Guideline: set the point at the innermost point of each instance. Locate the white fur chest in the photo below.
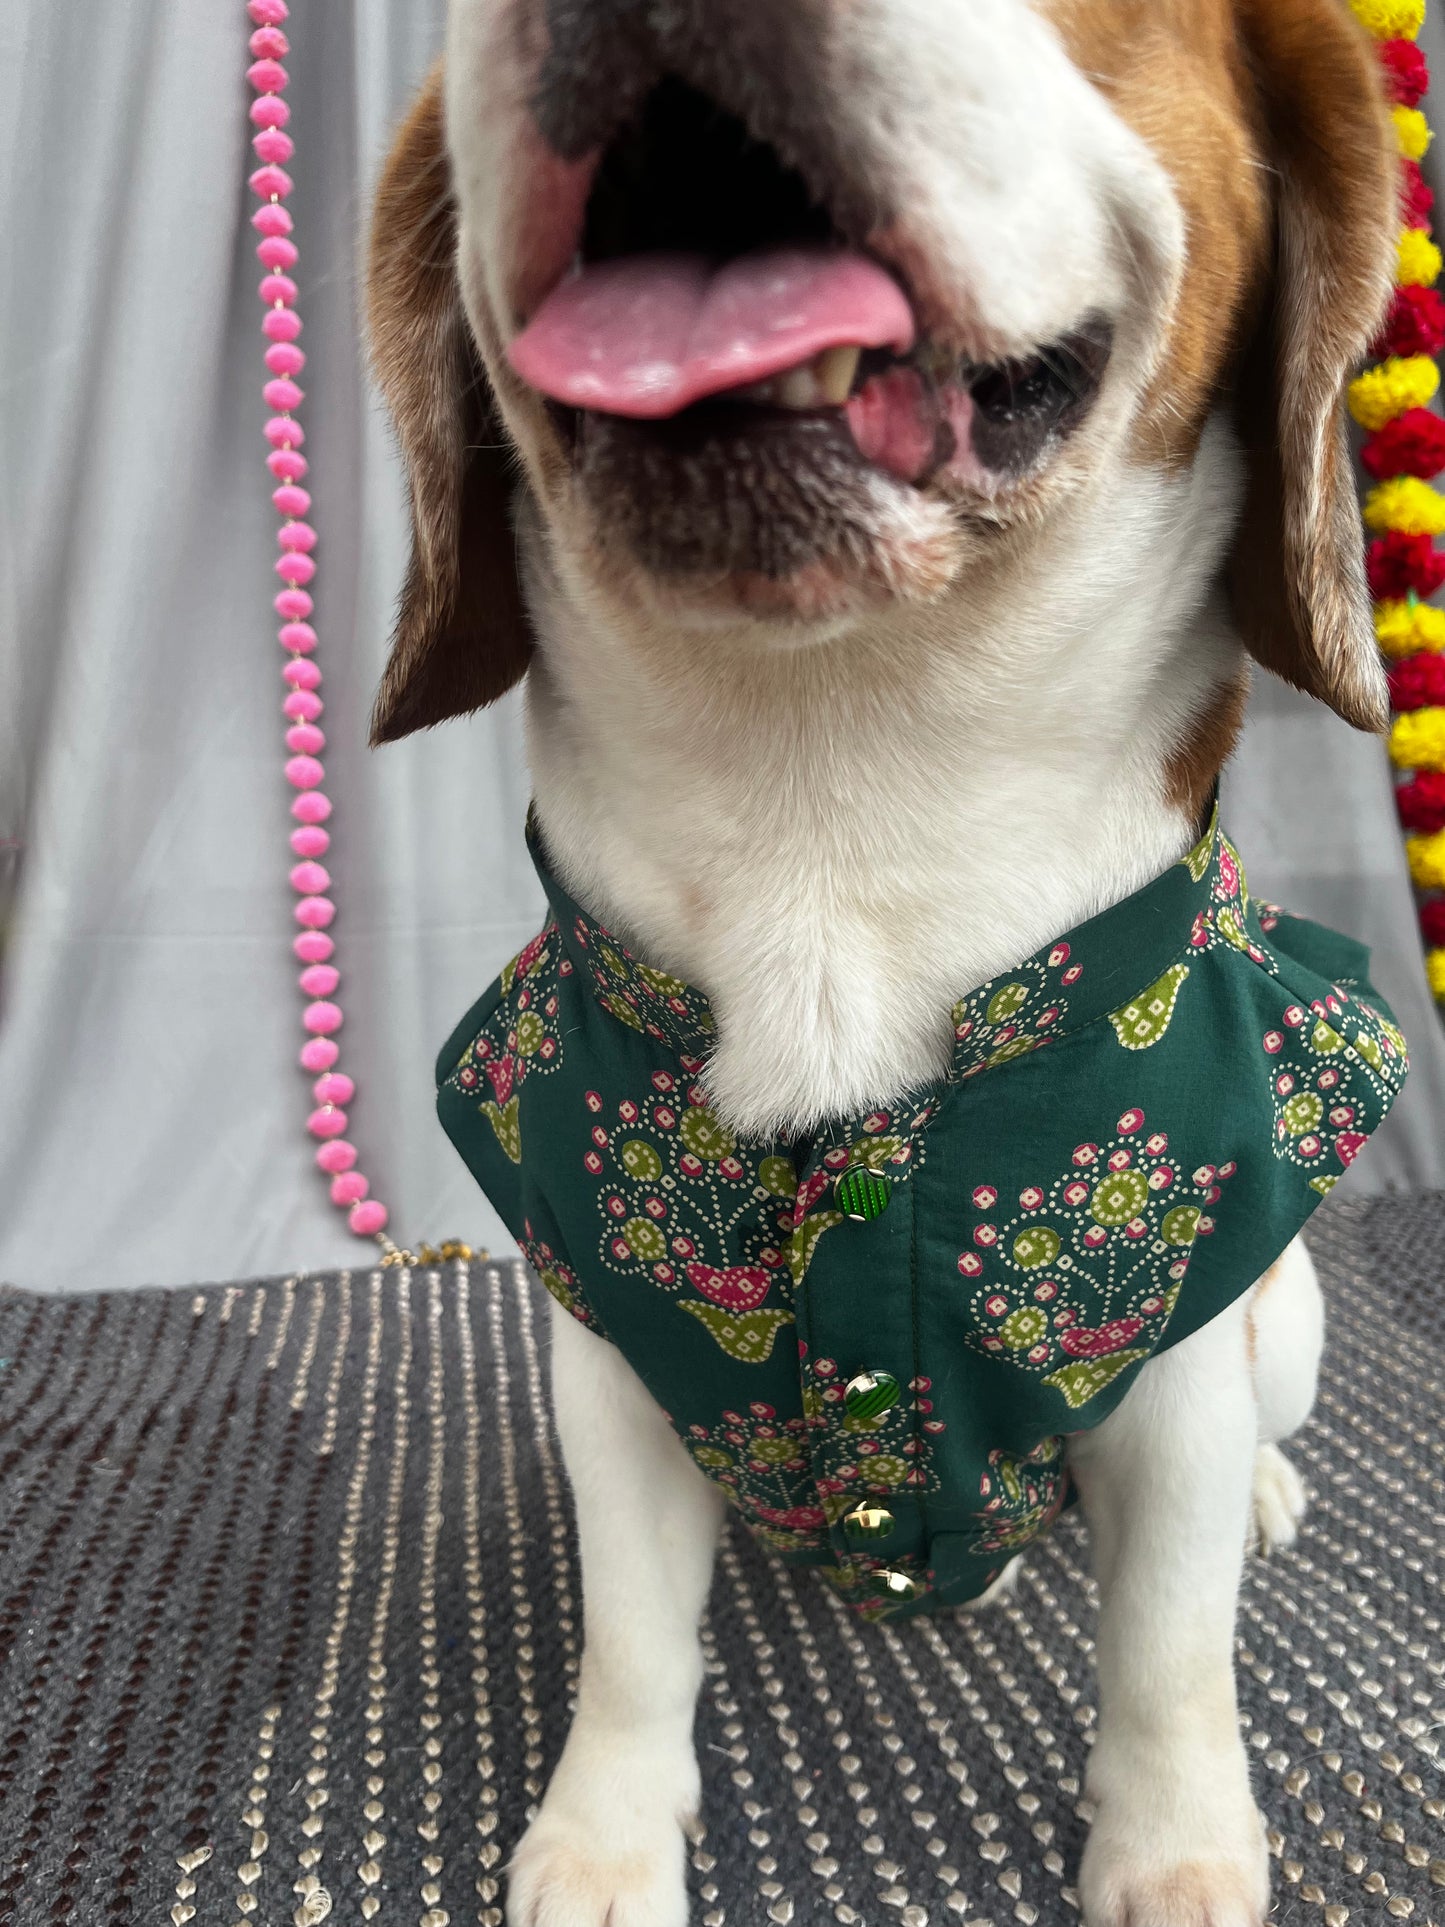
(835, 843)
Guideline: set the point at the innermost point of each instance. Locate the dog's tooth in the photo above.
(833, 371)
(797, 387)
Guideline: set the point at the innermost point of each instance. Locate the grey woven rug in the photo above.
(289, 1616)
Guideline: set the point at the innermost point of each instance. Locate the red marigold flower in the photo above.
(1417, 197)
(1415, 325)
(1432, 921)
(1417, 681)
(1413, 444)
(1397, 563)
(1407, 74)
(1421, 803)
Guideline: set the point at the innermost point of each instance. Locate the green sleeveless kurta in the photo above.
(877, 1338)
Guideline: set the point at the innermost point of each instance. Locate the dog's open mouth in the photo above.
(709, 284)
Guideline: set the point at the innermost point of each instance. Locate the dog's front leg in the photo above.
(1166, 1485)
(606, 1848)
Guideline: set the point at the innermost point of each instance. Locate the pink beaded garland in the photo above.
(319, 980)
(296, 538)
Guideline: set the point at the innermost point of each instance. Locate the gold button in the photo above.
(869, 1521)
(897, 1586)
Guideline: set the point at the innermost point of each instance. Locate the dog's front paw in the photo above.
(1182, 1847)
(607, 1846)
(1280, 1502)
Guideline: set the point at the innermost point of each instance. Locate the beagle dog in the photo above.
(881, 434)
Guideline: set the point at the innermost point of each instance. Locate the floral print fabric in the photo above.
(1136, 1122)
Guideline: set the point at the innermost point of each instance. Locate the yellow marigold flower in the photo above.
(1402, 628)
(1412, 131)
(1380, 394)
(1435, 966)
(1420, 259)
(1427, 859)
(1417, 741)
(1407, 504)
(1390, 19)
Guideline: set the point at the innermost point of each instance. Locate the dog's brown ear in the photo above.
(1297, 574)
(462, 637)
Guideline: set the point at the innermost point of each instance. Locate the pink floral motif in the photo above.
(1081, 1343)
(734, 1287)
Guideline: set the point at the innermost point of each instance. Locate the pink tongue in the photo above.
(649, 334)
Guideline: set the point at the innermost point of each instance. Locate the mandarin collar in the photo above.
(1120, 964)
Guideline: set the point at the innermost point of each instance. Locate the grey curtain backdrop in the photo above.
(151, 1114)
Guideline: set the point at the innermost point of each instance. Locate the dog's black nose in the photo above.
(774, 64)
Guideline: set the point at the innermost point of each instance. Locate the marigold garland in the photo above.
(1404, 451)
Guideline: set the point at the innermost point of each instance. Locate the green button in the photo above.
(871, 1394)
(898, 1587)
(869, 1521)
(862, 1194)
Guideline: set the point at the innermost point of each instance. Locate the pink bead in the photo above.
(284, 358)
(319, 980)
(272, 220)
(281, 429)
(338, 1155)
(300, 638)
(294, 604)
(267, 76)
(310, 840)
(282, 394)
(269, 180)
(305, 739)
(321, 1019)
(310, 879)
(319, 1055)
(314, 912)
(311, 807)
(269, 43)
(277, 252)
(333, 1088)
(350, 1188)
(301, 674)
(267, 12)
(269, 111)
(277, 287)
(295, 568)
(302, 706)
(313, 947)
(272, 145)
(280, 324)
(297, 535)
(367, 1219)
(304, 773)
(286, 465)
(326, 1121)
(290, 500)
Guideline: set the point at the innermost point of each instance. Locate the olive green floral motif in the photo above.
(1144, 1020)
